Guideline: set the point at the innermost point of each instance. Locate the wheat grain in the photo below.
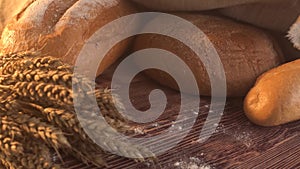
(37, 97)
(52, 77)
(37, 128)
(106, 101)
(44, 94)
(10, 133)
(37, 156)
(87, 151)
(10, 65)
(9, 162)
(4, 58)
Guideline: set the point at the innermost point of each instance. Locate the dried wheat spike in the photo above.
(123, 148)
(37, 156)
(10, 162)
(62, 118)
(44, 93)
(10, 135)
(32, 63)
(104, 99)
(9, 127)
(9, 146)
(52, 77)
(4, 58)
(106, 137)
(87, 152)
(67, 119)
(37, 128)
(47, 83)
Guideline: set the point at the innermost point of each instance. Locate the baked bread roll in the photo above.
(274, 99)
(278, 16)
(246, 52)
(193, 5)
(60, 28)
(9, 8)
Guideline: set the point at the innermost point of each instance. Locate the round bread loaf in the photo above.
(9, 8)
(274, 99)
(246, 52)
(278, 16)
(60, 28)
(193, 5)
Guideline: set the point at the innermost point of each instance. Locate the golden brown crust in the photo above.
(246, 52)
(60, 28)
(274, 99)
(10, 8)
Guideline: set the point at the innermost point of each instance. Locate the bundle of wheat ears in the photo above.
(37, 115)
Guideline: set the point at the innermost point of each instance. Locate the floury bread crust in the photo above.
(274, 99)
(9, 8)
(246, 52)
(61, 28)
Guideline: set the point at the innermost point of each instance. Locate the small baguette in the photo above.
(275, 98)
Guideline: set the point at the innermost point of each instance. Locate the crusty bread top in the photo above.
(60, 28)
(9, 8)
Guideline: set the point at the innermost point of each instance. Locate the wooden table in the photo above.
(237, 143)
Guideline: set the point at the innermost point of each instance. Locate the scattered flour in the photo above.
(191, 163)
(139, 130)
(239, 134)
(243, 137)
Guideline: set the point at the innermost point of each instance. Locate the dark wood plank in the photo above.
(237, 143)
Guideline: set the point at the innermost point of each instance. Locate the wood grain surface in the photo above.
(237, 143)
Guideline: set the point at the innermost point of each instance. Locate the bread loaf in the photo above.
(246, 52)
(193, 5)
(274, 99)
(8, 9)
(60, 28)
(278, 16)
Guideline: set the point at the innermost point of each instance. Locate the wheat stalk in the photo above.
(9, 162)
(36, 103)
(37, 156)
(10, 133)
(44, 93)
(35, 127)
(11, 65)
